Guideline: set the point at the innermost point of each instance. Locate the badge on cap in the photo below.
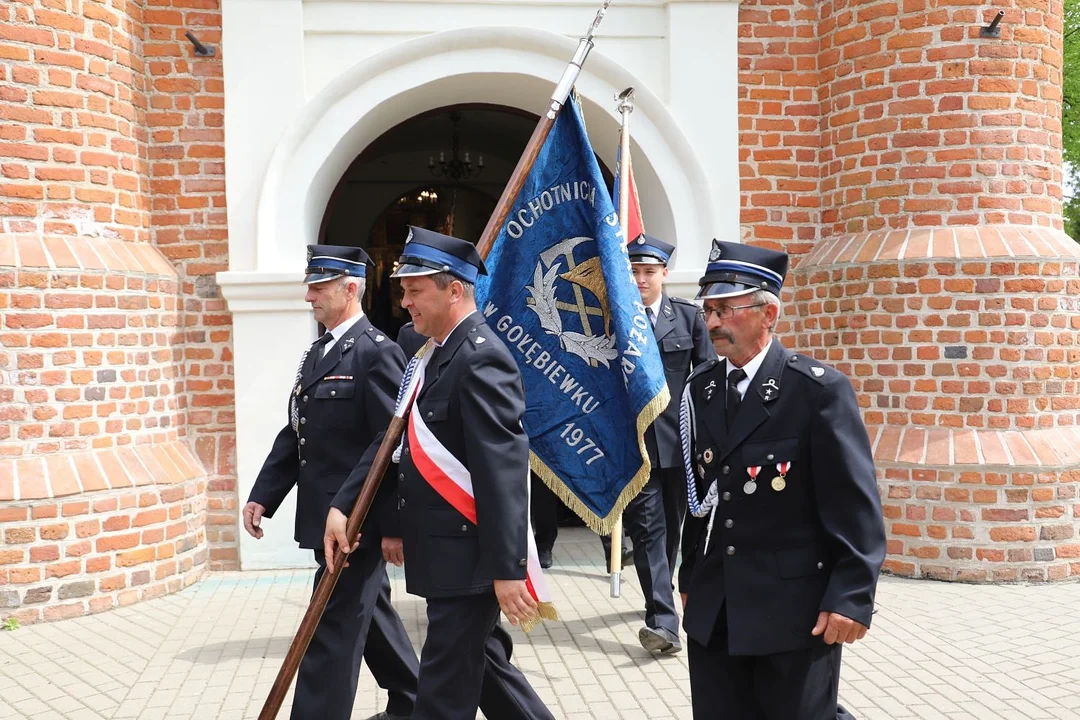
(714, 254)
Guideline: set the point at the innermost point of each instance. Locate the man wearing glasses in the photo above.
(782, 550)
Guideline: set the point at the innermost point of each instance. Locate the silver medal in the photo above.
(750, 487)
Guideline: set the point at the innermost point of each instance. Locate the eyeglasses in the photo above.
(726, 311)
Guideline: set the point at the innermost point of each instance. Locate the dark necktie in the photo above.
(651, 315)
(734, 398)
(316, 352)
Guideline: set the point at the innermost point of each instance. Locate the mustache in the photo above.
(720, 333)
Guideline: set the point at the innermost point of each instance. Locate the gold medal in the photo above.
(779, 483)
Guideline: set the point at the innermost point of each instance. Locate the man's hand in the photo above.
(683, 597)
(253, 513)
(393, 551)
(514, 599)
(838, 629)
(334, 537)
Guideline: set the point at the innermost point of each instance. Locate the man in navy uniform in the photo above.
(544, 503)
(340, 404)
(471, 402)
(654, 518)
(782, 554)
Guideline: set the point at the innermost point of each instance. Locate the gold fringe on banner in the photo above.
(545, 611)
(603, 525)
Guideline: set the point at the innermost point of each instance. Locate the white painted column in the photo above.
(263, 56)
(271, 327)
(704, 96)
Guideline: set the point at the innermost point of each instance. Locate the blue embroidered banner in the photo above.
(560, 293)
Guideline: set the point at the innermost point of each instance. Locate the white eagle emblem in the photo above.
(817, 371)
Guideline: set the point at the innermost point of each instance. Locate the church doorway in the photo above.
(441, 170)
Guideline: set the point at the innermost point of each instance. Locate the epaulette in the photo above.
(375, 335)
(811, 368)
(477, 339)
(683, 301)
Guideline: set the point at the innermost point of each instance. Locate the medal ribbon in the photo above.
(783, 468)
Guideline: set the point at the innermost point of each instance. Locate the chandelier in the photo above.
(456, 168)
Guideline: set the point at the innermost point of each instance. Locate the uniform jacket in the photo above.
(684, 344)
(345, 403)
(472, 401)
(775, 559)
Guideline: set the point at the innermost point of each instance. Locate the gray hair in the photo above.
(361, 285)
(764, 297)
(443, 280)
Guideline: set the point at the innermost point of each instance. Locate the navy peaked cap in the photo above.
(427, 252)
(326, 262)
(649, 250)
(737, 269)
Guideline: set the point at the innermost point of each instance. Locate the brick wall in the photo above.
(115, 338)
(959, 327)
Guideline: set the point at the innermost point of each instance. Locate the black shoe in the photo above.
(387, 716)
(545, 558)
(659, 640)
(627, 556)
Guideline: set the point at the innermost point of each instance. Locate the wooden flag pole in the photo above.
(626, 106)
(394, 430)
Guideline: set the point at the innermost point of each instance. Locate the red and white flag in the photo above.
(635, 226)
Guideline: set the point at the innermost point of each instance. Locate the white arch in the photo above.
(508, 66)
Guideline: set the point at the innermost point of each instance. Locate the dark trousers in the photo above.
(465, 665)
(673, 482)
(358, 623)
(644, 520)
(545, 514)
(797, 685)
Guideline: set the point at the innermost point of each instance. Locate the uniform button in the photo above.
(820, 565)
(522, 562)
(406, 451)
(726, 469)
(401, 476)
(770, 456)
(305, 398)
(429, 414)
(303, 421)
(401, 504)
(729, 523)
(678, 345)
(303, 463)
(730, 549)
(303, 441)
(333, 393)
(726, 495)
(464, 528)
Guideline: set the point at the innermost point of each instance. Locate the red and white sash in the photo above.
(453, 482)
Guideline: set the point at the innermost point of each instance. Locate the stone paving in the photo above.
(936, 650)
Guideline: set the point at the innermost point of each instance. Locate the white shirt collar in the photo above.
(339, 331)
(449, 334)
(751, 367)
